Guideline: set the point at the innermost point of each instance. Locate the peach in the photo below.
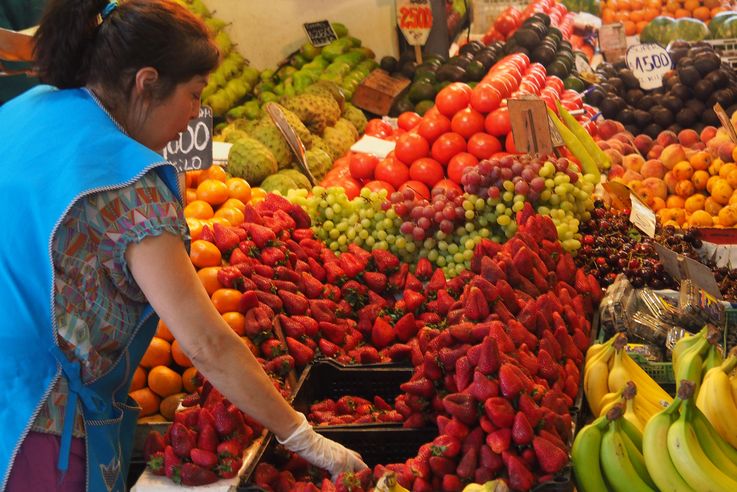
(674, 201)
(667, 138)
(616, 171)
(630, 175)
(700, 218)
(725, 169)
(685, 188)
(700, 160)
(657, 185)
(728, 216)
(628, 148)
(711, 206)
(734, 155)
(624, 137)
(708, 133)
(670, 181)
(694, 203)
(682, 170)
(725, 151)
(672, 155)
(721, 192)
(643, 143)
(673, 216)
(633, 162)
(603, 144)
(732, 178)
(655, 151)
(614, 156)
(700, 179)
(616, 145)
(698, 146)
(607, 129)
(653, 168)
(688, 137)
(658, 204)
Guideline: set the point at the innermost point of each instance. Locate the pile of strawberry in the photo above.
(353, 410)
(204, 443)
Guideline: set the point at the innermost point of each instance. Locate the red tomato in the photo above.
(392, 171)
(549, 100)
(378, 128)
(432, 113)
(509, 144)
(446, 146)
(411, 147)
(431, 128)
(418, 187)
(362, 165)
(497, 123)
(554, 82)
(351, 186)
(485, 98)
(458, 163)
(452, 99)
(501, 85)
(446, 185)
(482, 145)
(466, 122)
(408, 120)
(342, 161)
(377, 185)
(426, 170)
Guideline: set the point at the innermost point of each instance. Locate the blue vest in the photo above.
(55, 147)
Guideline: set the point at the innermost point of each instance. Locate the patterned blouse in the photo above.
(97, 302)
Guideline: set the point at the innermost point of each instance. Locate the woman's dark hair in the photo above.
(73, 48)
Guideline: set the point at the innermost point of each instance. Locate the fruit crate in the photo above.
(329, 379)
(730, 329)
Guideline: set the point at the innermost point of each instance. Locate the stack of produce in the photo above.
(665, 29)
(723, 25)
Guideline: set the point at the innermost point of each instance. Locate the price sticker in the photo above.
(321, 33)
(582, 64)
(192, 151)
(648, 62)
(414, 18)
(530, 125)
(612, 41)
(642, 216)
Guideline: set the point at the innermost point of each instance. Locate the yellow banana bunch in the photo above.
(491, 486)
(692, 354)
(717, 402)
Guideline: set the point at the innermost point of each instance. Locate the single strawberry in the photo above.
(229, 467)
(155, 463)
(230, 448)
(550, 457)
(265, 474)
(203, 458)
(302, 354)
(182, 439)
(509, 381)
(172, 463)
(483, 387)
(154, 444)
(382, 333)
(193, 474)
(522, 432)
(467, 466)
(207, 438)
(500, 411)
(224, 421)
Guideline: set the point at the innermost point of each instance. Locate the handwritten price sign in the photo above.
(193, 149)
(649, 62)
(414, 18)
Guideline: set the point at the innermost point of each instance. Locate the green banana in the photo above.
(655, 451)
(687, 454)
(618, 469)
(719, 451)
(712, 359)
(686, 342)
(585, 457)
(635, 456)
(689, 364)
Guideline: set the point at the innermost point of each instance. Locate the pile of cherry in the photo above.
(497, 350)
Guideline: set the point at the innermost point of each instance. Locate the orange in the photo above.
(226, 300)
(691, 4)
(682, 170)
(195, 228)
(209, 278)
(608, 16)
(190, 195)
(214, 172)
(147, 400)
(672, 6)
(236, 321)
(641, 25)
(199, 209)
(728, 216)
(700, 219)
(694, 203)
(164, 381)
(158, 353)
(190, 379)
(219, 220)
(191, 178)
(630, 28)
(674, 201)
(239, 188)
(684, 188)
(715, 11)
(636, 16)
(676, 215)
(711, 206)
(257, 195)
(700, 179)
(702, 13)
(234, 203)
(231, 214)
(650, 14)
(204, 253)
(658, 204)
(732, 178)
(681, 13)
(162, 331)
(139, 379)
(721, 192)
(212, 191)
(179, 356)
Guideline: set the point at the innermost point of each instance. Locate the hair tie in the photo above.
(108, 9)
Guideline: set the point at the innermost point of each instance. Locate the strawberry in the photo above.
(265, 474)
(172, 463)
(384, 261)
(351, 265)
(328, 348)
(291, 327)
(550, 457)
(323, 310)
(447, 446)
(224, 421)
(207, 438)
(412, 300)
(406, 327)
(398, 278)
(399, 352)
(348, 482)
(376, 281)
(382, 333)
(302, 354)
(272, 348)
(421, 387)
(230, 448)
(463, 372)
(366, 354)
(154, 444)
(203, 458)
(248, 301)
(500, 411)
(155, 463)
(333, 332)
(441, 466)
(509, 382)
(226, 239)
(193, 474)
(259, 234)
(522, 432)
(311, 327)
(482, 387)
(182, 439)
(228, 467)
(451, 483)
(207, 234)
(467, 465)
(499, 440)
(280, 365)
(462, 406)
(497, 332)
(476, 306)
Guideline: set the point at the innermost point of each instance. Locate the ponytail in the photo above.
(74, 47)
(63, 41)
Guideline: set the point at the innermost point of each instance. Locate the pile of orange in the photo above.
(165, 374)
(636, 14)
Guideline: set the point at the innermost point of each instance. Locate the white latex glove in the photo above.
(321, 451)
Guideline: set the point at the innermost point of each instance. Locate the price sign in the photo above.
(414, 18)
(321, 33)
(193, 149)
(530, 125)
(642, 216)
(377, 92)
(649, 62)
(612, 41)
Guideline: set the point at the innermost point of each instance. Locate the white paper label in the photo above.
(642, 217)
(649, 62)
(372, 145)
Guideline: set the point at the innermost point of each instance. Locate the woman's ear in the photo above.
(145, 79)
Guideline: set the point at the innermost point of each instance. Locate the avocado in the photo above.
(389, 63)
(475, 71)
(472, 47)
(709, 117)
(646, 102)
(574, 83)
(689, 75)
(450, 72)
(686, 117)
(543, 17)
(633, 129)
(662, 116)
(459, 61)
(626, 116)
(420, 90)
(527, 37)
(423, 106)
(695, 105)
(408, 69)
(629, 79)
(703, 89)
(608, 108)
(718, 78)
(543, 54)
(401, 105)
(617, 83)
(724, 97)
(559, 69)
(486, 59)
(595, 95)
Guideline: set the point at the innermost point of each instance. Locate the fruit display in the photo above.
(722, 26)
(667, 29)
(352, 410)
(640, 16)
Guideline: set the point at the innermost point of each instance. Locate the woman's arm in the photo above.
(161, 267)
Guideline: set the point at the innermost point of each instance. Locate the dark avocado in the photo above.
(608, 108)
(675, 128)
(617, 83)
(662, 116)
(718, 78)
(652, 130)
(670, 79)
(401, 105)
(709, 117)
(527, 37)
(695, 105)
(642, 118)
(475, 71)
(703, 89)
(608, 87)
(460, 61)
(626, 116)
(595, 95)
(542, 17)
(450, 72)
(408, 69)
(543, 54)
(725, 97)
(646, 102)
(420, 90)
(633, 96)
(472, 47)
(686, 117)
(389, 63)
(629, 79)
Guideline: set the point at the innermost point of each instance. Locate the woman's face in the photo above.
(170, 116)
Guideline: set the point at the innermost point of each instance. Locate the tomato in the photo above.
(554, 82)
(507, 21)
(482, 145)
(392, 171)
(418, 187)
(343, 161)
(509, 144)
(458, 163)
(497, 123)
(432, 127)
(377, 185)
(527, 88)
(452, 99)
(446, 146)
(466, 122)
(362, 165)
(432, 113)
(411, 147)
(444, 186)
(502, 86)
(426, 170)
(549, 100)
(408, 120)
(485, 98)
(378, 128)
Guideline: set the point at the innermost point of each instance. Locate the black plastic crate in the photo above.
(329, 379)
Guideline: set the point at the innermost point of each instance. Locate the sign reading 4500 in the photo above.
(193, 149)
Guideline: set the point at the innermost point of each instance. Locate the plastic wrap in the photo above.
(699, 307)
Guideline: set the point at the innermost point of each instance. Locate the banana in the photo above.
(646, 385)
(716, 449)
(585, 457)
(595, 385)
(388, 483)
(733, 383)
(628, 395)
(632, 432)
(704, 429)
(687, 454)
(610, 399)
(618, 375)
(597, 348)
(712, 359)
(618, 469)
(686, 342)
(636, 458)
(655, 451)
(689, 363)
(716, 402)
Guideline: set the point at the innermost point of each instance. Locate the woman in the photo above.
(96, 240)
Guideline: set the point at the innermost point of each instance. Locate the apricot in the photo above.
(653, 169)
(694, 203)
(721, 192)
(711, 206)
(708, 133)
(700, 219)
(732, 178)
(670, 181)
(682, 170)
(700, 160)
(675, 201)
(699, 180)
(726, 169)
(685, 188)
(727, 216)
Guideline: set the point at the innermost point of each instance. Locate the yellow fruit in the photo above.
(694, 203)
(721, 192)
(728, 216)
(699, 180)
(682, 170)
(700, 218)
(711, 206)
